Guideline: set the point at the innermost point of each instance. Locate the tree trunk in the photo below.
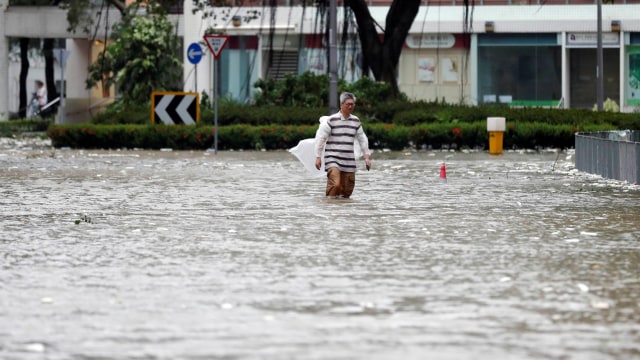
(24, 72)
(49, 71)
(382, 55)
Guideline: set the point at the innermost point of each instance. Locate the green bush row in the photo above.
(393, 112)
(274, 137)
(15, 127)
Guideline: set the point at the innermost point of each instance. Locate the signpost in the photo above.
(194, 54)
(215, 43)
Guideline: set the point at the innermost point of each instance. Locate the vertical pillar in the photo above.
(473, 69)
(79, 60)
(621, 71)
(600, 61)
(565, 78)
(333, 59)
(4, 65)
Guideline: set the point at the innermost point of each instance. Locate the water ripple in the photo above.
(142, 254)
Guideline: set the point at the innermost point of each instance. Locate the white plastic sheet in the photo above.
(306, 153)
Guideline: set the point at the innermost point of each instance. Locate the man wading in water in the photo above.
(336, 136)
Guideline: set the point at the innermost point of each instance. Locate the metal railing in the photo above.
(610, 154)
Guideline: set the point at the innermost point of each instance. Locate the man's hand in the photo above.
(318, 162)
(367, 162)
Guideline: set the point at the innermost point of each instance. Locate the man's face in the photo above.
(347, 106)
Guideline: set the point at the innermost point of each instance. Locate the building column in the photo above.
(473, 69)
(76, 70)
(4, 65)
(621, 73)
(565, 72)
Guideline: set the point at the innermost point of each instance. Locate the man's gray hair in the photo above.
(347, 95)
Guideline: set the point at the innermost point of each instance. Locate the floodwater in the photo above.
(238, 255)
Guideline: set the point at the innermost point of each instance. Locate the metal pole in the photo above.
(215, 107)
(333, 59)
(4, 69)
(62, 93)
(196, 74)
(599, 69)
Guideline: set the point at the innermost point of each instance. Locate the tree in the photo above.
(82, 13)
(24, 71)
(49, 74)
(24, 60)
(141, 56)
(381, 56)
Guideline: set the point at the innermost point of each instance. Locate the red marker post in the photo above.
(443, 173)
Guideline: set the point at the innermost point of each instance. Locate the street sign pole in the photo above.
(215, 106)
(216, 43)
(194, 54)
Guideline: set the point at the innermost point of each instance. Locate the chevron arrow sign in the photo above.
(174, 108)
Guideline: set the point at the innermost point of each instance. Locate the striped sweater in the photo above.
(336, 136)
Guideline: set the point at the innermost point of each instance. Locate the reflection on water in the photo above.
(141, 254)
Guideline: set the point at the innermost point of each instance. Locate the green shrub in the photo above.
(15, 127)
(310, 90)
(117, 113)
(370, 93)
(179, 137)
(304, 90)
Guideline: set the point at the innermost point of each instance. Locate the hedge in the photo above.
(16, 127)
(273, 137)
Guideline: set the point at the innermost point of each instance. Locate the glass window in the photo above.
(520, 75)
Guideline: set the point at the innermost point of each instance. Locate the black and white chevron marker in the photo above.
(173, 108)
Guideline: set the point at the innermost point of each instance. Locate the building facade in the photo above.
(517, 53)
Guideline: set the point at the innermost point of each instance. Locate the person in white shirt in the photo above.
(41, 94)
(337, 136)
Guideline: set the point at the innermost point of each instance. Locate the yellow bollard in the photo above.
(495, 127)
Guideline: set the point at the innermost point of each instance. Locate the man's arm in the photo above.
(364, 146)
(322, 134)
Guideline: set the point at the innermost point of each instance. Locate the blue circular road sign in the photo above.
(194, 53)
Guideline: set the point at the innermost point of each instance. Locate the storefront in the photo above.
(632, 70)
(583, 64)
(239, 68)
(434, 66)
(520, 69)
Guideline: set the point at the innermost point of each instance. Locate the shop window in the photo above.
(520, 75)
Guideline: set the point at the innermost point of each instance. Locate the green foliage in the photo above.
(369, 92)
(142, 56)
(609, 106)
(305, 90)
(233, 137)
(310, 90)
(273, 137)
(230, 114)
(80, 14)
(222, 13)
(15, 127)
(395, 124)
(117, 113)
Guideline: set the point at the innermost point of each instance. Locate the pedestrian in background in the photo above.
(41, 94)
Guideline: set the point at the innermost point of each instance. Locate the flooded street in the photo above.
(238, 255)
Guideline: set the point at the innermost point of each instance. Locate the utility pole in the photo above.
(333, 59)
(599, 68)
